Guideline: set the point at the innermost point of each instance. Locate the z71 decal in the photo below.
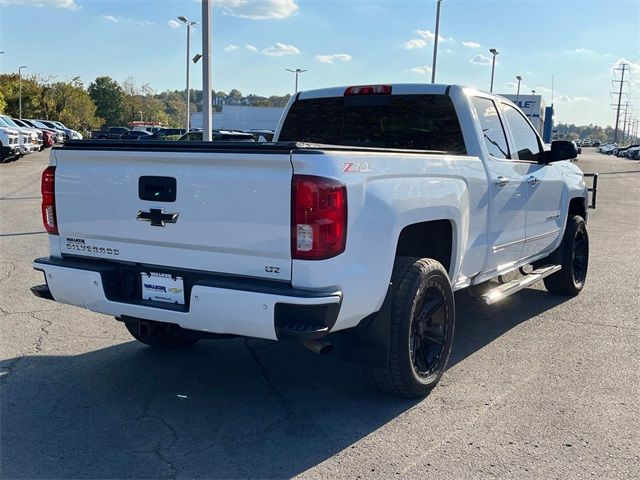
(355, 167)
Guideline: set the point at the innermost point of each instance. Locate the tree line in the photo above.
(579, 132)
(105, 102)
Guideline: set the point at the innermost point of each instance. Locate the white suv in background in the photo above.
(27, 138)
(9, 146)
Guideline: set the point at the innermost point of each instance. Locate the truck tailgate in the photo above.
(231, 208)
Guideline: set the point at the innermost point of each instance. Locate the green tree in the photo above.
(108, 98)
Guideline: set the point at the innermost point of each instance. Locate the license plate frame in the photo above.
(162, 288)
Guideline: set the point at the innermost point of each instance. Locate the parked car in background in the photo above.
(9, 144)
(112, 133)
(61, 137)
(633, 153)
(218, 136)
(624, 151)
(27, 139)
(69, 133)
(163, 133)
(596, 143)
(136, 135)
(16, 123)
(586, 142)
(578, 148)
(45, 139)
(262, 135)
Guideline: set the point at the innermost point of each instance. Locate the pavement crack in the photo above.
(597, 324)
(161, 451)
(43, 331)
(264, 371)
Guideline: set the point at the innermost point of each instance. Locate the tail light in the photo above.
(319, 217)
(49, 200)
(368, 90)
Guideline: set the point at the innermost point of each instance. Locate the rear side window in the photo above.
(492, 129)
(416, 122)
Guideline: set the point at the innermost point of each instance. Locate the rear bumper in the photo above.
(214, 303)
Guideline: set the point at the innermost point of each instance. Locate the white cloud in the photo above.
(480, 60)
(342, 57)
(542, 90)
(631, 66)
(280, 49)
(258, 9)
(563, 99)
(581, 99)
(114, 19)
(421, 70)
(429, 35)
(230, 48)
(173, 24)
(471, 44)
(514, 86)
(68, 4)
(579, 51)
(415, 43)
(251, 48)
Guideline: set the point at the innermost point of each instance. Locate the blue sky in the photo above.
(339, 42)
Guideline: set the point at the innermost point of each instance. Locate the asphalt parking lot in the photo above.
(538, 386)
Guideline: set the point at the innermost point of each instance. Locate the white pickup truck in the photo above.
(371, 207)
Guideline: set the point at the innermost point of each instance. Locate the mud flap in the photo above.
(368, 343)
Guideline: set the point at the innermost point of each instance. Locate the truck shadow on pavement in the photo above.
(226, 409)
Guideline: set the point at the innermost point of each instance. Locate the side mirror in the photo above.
(560, 150)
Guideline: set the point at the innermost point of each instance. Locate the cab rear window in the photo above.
(415, 122)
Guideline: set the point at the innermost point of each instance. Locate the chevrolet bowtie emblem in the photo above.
(157, 217)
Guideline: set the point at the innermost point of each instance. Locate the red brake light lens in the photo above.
(47, 187)
(319, 217)
(368, 90)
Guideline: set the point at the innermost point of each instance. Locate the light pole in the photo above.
(435, 43)
(493, 66)
(189, 24)
(519, 78)
(20, 88)
(297, 71)
(533, 92)
(140, 112)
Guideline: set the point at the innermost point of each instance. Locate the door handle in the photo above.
(531, 180)
(501, 181)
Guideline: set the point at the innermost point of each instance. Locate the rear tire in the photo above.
(422, 326)
(573, 255)
(157, 339)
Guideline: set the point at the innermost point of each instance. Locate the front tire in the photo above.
(422, 326)
(160, 339)
(573, 255)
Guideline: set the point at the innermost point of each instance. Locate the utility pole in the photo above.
(207, 108)
(615, 133)
(519, 78)
(435, 43)
(625, 133)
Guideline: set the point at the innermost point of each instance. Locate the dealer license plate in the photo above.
(162, 287)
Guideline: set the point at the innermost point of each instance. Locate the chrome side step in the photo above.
(501, 291)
